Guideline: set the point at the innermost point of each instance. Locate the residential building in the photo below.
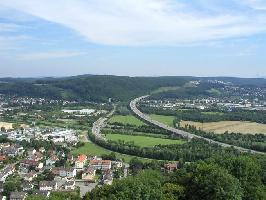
(48, 185)
(69, 185)
(81, 161)
(108, 177)
(51, 161)
(101, 164)
(41, 193)
(68, 172)
(89, 174)
(18, 195)
(170, 167)
(3, 158)
(27, 186)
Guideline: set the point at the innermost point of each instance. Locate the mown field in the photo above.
(92, 149)
(143, 141)
(168, 120)
(127, 119)
(230, 126)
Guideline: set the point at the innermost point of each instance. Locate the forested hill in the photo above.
(101, 87)
(88, 87)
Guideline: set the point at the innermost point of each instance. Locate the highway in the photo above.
(184, 134)
(101, 123)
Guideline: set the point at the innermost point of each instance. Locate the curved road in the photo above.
(133, 107)
(101, 123)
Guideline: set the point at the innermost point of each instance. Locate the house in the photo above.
(89, 174)
(81, 161)
(28, 165)
(27, 186)
(48, 185)
(51, 161)
(18, 195)
(42, 150)
(55, 171)
(10, 151)
(5, 172)
(170, 167)
(31, 151)
(42, 193)
(108, 177)
(101, 164)
(37, 156)
(30, 176)
(69, 185)
(68, 172)
(3, 158)
(117, 164)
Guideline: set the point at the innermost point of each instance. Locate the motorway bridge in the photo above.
(184, 134)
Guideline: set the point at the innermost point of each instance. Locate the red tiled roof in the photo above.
(100, 162)
(81, 158)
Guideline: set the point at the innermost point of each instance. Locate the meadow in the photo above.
(90, 148)
(127, 119)
(168, 120)
(230, 126)
(143, 141)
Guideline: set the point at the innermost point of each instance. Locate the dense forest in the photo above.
(103, 87)
(90, 88)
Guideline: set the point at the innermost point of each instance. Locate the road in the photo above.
(184, 134)
(100, 123)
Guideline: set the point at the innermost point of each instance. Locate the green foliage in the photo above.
(219, 178)
(145, 186)
(93, 88)
(210, 181)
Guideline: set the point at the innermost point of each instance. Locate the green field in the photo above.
(142, 141)
(92, 149)
(168, 120)
(127, 119)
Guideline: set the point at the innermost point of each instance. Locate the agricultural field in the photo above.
(168, 120)
(230, 126)
(127, 119)
(92, 149)
(143, 141)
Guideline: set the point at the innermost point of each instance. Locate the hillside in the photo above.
(102, 87)
(88, 87)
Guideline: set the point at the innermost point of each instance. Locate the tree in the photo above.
(135, 165)
(210, 181)
(173, 192)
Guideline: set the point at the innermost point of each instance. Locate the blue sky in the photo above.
(133, 37)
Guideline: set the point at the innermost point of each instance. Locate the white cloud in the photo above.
(256, 4)
(145, 22)
(49, 55)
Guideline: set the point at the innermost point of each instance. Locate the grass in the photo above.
(165, 89)
(143, 141)
(92, 149)
(127, 119)
(230, 126)
(168, 120)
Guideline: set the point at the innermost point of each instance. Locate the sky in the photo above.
(40, 38)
